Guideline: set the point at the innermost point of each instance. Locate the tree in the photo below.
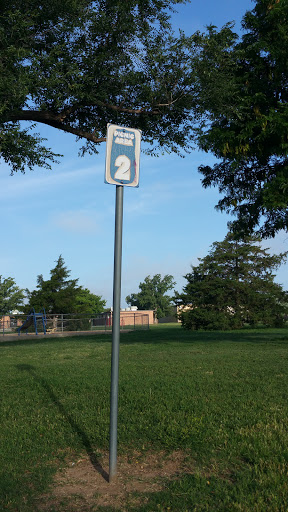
(152, 295)
(77, 66)
(62, 295)
(89, 304)
(232, 286)
(57, 294)
(11, 296)
(244, 94)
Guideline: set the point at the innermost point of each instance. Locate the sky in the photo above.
(169, 221)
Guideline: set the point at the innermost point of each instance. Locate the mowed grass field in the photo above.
(219, 398)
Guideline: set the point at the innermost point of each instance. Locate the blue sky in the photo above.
(169, 220)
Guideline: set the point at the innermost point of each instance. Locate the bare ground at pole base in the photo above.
(83, 485)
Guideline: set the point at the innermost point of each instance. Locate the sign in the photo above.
(122, 169)
(122, 156)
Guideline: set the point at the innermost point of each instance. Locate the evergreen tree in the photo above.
(152, 295)
(62, 295)
(57, 294)
(232, 286)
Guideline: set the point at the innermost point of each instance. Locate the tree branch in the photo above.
(118, 108)
(54, 120)
(57, 120)
(136, 111)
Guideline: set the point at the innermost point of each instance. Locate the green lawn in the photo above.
(219, 397)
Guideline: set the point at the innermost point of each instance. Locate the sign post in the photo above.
(115, 332)
(122, 169)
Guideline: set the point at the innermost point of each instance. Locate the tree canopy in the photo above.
(62, 295)
(11, 296)
(244, 94)
(232, 286)
(88, 303)
(78, 65)
(152, 295)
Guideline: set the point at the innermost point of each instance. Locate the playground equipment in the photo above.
(32, 319)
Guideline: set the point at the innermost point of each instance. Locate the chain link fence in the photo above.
(55, 324)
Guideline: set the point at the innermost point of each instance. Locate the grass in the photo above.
(219, 396)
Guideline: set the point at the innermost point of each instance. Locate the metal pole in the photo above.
(115, 333)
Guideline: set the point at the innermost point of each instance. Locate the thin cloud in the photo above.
(37, 181)
(77, 222)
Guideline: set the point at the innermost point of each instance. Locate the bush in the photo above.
(206, 320)
(212, 320)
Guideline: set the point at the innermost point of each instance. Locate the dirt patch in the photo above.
(84, 484)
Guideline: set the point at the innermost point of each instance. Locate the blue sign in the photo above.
(122, 156)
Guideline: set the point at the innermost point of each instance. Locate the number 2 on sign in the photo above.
(124, 168)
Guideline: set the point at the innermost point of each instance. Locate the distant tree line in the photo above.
(233, 286)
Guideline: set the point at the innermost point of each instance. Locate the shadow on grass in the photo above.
(49, 340)
(166, 334)
(75, 427)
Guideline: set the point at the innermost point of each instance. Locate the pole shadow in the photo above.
(75, 427)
